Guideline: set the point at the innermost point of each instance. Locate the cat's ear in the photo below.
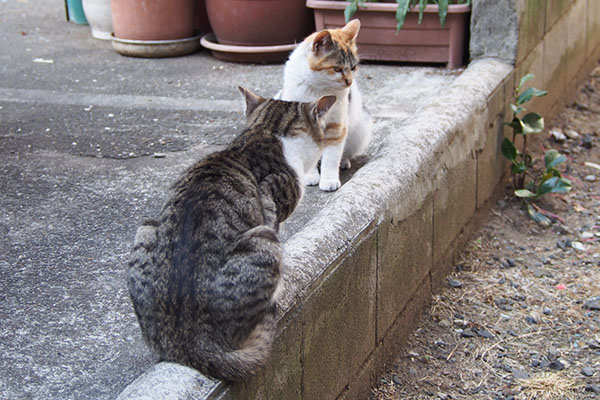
(320, 107)
(252, 100)
(351, 29)
(322, 41)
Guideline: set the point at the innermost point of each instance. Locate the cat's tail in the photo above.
(240, 364)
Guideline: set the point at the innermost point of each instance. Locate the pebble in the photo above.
(590, 178)
(519, 374)
(444, 323)
(159, 155)
(454, 283)
(578, 246)
(564, 244)
(467, 333)
(593, 304)
(396, 379)
(592, 388)
(557, 135)
(586, 141)
(530, 319)
(553, 354)
(538, 273)
(586, 235)
(547, 311)
(510, 263)
(484, 333)
(571, 134)
(587, 371)
(556, 365)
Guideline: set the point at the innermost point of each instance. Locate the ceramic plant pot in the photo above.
(202, 24)
(379, 40)
(257, 27)
(75, 12)
(154, 28)
(99, 16)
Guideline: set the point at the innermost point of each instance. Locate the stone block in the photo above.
(282, 376)
(593, 27)
(576, 39)
(396, 337)
(339, 323)
(555, 10)
(360, 386)
(556, 61)
(453, 203)
(491, 164)
(489, 38)
(404, 259)
(532, 20)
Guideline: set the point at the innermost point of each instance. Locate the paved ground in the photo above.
(89, 142)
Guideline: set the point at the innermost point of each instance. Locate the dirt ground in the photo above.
(520, 317)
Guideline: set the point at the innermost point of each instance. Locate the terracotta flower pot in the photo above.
(259, 22)
(379, 40)
(154, 28)
(153, 19)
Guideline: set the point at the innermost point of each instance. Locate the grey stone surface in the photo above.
(494, 30)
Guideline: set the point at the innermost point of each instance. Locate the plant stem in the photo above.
(524, 158)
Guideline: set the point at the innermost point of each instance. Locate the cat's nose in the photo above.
(348, 80)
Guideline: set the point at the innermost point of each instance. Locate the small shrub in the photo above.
(551, 180)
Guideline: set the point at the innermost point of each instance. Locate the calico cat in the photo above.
(325, 63)
(203, 277)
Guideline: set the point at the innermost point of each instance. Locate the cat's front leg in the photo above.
(312, 176)
(330, 167)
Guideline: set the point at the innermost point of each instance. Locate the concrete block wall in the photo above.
(358, 276)
(558, 42)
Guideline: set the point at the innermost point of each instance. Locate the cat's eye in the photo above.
(353, 68)
(337, 69)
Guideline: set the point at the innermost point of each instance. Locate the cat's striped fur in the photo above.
(203, 275)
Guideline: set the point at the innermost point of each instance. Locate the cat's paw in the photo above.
(329, 185)
(345, 163)
(312, 179)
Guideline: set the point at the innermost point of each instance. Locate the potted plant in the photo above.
(99, 16)
(154, 28)
(431, 32)
(256, 30)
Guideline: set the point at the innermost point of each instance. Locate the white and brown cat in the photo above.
(325, 64)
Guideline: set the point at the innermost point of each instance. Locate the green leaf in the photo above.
(552, 158)
(529, 94)
(532, 123)
(350, 10)
(508, 149)
(516, 125)
(537, 216)
(559, 185)
(518, 167)
(443, 11)
(516, 109)
(422, 4)
(554, 185)
(524, 193)
(523, 80)
(401, 11)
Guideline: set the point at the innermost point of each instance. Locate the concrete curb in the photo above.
(410, 167)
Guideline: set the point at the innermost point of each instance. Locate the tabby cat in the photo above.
(204, 276)
(325, 63)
